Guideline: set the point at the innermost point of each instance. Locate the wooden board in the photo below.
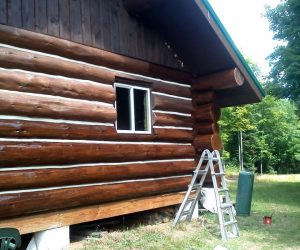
(44, 221)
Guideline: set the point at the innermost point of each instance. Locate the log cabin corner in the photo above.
(105, 105)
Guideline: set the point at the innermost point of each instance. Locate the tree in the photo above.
(271, 135)
(285, 60)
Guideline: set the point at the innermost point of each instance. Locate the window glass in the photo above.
(140, 110)
(123, 108)
(133, 109)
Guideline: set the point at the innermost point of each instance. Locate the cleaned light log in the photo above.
(203, 97)
(207, 113)
(17, 103)
(12, 58)
(49, 130)
(161, 119)
(42, 84)
(220, 80)
(167, 103)
(76, 51)
(16, 204)
(39, 178)
(206, 128)
(211, 142)
(16, 154)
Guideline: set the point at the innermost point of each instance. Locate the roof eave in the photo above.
(228, 43)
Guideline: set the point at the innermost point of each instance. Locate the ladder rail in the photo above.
(209, 159)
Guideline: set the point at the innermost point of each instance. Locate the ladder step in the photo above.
(230, 223)
(226, 205)
(218, 174)
(210, 158)
(223, 190)
(196, 186)
(185, 213)
(200, 172)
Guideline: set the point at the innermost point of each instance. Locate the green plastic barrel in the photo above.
(244, 193)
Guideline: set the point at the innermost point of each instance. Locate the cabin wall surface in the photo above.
(59, 148)
(102, 24)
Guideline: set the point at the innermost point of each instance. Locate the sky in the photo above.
(246, 25)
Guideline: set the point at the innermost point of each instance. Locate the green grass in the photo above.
(279, 195)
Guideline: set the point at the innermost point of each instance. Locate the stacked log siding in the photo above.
(58, 138)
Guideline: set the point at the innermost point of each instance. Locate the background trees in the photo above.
(285, 60)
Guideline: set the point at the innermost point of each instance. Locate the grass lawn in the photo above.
(279, 195)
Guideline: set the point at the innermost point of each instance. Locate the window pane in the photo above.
(140, 110)
(123, 108)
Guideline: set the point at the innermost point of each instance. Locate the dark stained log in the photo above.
(64, 19)
(66, 87)
(72, 50)
(221, 80)
(167, 103)
(211, 142)
(41, 201)
(53, 17)
(207, 113)
(17, 103)
(32, 129)
(12, 58)
(161, 119)
(203, 97)
(206, 128)
(37, 178)
(40, 16)
(28, 14)
(158, 85)
(14, 10)
(136, 7)
(13, 154)
(3, 12)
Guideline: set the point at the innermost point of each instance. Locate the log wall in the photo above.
(59, 148)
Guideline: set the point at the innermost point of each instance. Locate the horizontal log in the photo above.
(211, 142)
(76, 51)
(207, 113)
(206, 128)
(13, 58)
(16, 204)
(14, 154)
(182, 90)
(161, 119)
(38, 178)
(67, 217)
(203, 97)
(67, 87)
(167, 103)
(17, 103)
(221, 80)
(49, 130)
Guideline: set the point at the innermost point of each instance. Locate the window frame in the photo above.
(131, 88)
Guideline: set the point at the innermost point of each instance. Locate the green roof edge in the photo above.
(233, 46)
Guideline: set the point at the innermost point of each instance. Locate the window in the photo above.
(133, 109)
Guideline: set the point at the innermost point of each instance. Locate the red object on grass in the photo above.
(268, 220)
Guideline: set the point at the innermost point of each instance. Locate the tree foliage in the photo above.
(271, 134)
(285, 60)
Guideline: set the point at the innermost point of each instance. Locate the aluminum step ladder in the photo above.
(185, 212)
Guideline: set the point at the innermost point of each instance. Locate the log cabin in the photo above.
(106, 105)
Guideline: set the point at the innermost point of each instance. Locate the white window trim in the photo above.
(132, 118)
